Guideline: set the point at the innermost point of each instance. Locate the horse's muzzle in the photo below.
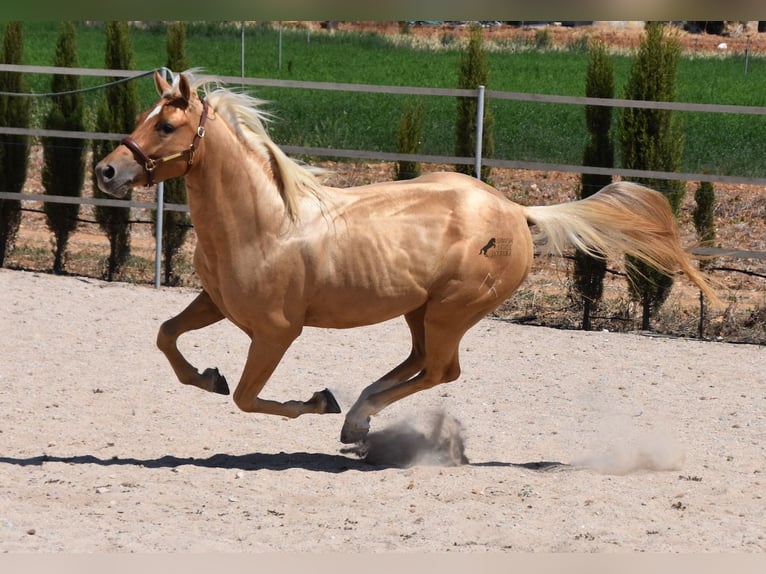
(109, 181)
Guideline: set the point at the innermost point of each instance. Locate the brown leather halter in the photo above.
(150, 164)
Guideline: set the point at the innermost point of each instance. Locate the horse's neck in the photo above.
(231, 190)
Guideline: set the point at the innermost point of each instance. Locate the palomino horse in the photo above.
(277, 250)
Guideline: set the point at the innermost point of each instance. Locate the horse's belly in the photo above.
(347, 307)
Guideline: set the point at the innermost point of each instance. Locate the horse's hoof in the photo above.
(219, 384)
(351, 433)
(331, 405)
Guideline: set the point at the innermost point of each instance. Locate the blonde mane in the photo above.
(245, 114)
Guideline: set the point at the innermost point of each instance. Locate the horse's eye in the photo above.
(165, 128)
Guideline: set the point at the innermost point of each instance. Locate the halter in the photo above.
(150, 164)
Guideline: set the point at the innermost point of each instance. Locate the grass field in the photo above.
(716, 143)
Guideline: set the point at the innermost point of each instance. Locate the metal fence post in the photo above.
(158, 227)
(158, 234)
(479, 129)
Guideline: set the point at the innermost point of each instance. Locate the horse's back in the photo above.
(434, 182)
(448, 205)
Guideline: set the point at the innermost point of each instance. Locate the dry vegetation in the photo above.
(621, 36)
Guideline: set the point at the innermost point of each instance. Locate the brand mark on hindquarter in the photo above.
(490, 244)
(497, 247)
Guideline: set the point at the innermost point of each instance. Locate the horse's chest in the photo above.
(212, 274)
(249, 291)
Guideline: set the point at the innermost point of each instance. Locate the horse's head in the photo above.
(163, 144)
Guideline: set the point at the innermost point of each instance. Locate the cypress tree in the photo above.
(704, 223)
(64, 158)
(599, 152)
(473, 72)
(704, 215)
(117, 114)
(409, 136)
(14, 150)
(175, 224)
(653, 140)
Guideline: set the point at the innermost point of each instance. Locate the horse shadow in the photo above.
(314, 462)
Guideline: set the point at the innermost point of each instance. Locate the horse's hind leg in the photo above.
(440, 364)
(408, 368)
(198, 314)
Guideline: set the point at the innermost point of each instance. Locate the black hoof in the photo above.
(351, 434)
(220, 385)
(331, 405)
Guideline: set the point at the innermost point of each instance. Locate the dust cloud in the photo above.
(442, 444)
(654, 453)
(402, 445)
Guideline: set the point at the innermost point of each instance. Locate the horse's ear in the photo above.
(160, 83)
(184, 88)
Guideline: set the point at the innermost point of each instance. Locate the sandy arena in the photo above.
(576, 442)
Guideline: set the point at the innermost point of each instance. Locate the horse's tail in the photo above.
(622, 218)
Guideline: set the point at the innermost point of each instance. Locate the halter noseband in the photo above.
(150, 164)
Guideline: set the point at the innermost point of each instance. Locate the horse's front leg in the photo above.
(262, 359)
(200, 313)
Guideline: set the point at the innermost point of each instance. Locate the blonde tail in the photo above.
(622, 218)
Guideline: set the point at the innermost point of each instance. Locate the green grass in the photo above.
(718, 143)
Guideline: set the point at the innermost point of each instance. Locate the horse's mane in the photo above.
(245, 114)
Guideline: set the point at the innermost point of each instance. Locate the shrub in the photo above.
(704, 223)
(599, 152)
(14, 150)
(543, 39)
(704, 216)
(473, 72)
(652, 140)
(409, 136)
(175, 224)
(64, 158)
(117, 114)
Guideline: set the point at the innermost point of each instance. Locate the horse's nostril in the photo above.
(106, 172)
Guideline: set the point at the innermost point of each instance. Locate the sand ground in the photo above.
(576, 442)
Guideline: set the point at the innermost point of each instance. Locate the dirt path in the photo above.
(576, 441)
